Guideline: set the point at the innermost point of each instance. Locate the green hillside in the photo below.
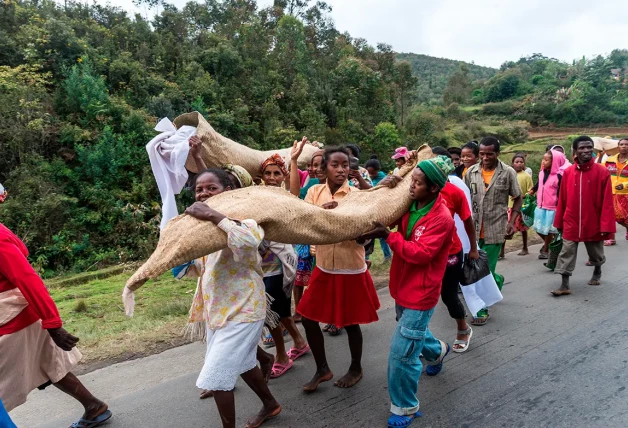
(433, 74)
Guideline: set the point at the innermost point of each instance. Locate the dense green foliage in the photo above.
(546, 91)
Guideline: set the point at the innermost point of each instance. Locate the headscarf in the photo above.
(276, 160)
(241, 174)
(437, 169)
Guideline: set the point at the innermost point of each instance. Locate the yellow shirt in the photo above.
(525, 182)
(619, 174)
(346, 257)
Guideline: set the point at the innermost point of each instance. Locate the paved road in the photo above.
(541, 361)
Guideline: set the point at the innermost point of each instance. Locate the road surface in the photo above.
(541, 361)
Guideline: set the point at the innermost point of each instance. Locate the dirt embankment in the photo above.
(537, 133)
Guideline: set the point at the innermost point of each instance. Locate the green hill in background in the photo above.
(434, 72)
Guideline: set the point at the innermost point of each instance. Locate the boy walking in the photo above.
(420, 252)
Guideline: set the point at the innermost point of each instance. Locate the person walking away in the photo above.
(584, 213)
(547, 193)
(469, 156)
(35, 350)
(279, 264)
(617, 166)
(400, 158)
(341, 291)
(456, 201)
(420, 255)
(492, 184)
(525, 184)
(231, 305)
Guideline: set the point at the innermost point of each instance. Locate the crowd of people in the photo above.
(250, 286)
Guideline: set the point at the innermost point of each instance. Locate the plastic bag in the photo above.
(527, 210)
(475, 270)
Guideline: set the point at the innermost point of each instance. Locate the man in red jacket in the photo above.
(420, 252)
(35, 350)
(585, 213)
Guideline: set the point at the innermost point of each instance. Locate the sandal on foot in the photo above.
(434, 369)
(326, 328)
(402, 421)
(610, 242)
(268, 341)
(588, 263)
(543, 256)
(100, 419)
(280, 369)
(464, 343)
(334, 331)
(295, 353)
(480, 320)
(560, 292)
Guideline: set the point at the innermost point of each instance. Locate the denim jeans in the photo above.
(411, 338)
(385, 248)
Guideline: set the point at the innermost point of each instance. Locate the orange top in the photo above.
(343, 258)
(487, 176)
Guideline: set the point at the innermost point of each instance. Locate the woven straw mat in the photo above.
(217, 151)
(284, 218)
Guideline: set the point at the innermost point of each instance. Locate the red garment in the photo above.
(585, 203)
(340, 299)
(418, 266)
(16, 272)
(456, 201)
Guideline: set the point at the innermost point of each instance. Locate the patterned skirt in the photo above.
(519, 225)
(620, 203)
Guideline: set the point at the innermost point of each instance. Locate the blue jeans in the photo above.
(385, 248)
(411, 338)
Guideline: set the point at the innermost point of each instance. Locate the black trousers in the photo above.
(449, 291)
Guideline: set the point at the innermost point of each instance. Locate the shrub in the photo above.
(504, 108)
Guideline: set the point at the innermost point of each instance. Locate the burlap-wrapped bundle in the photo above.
(607, 145)
(217, 151)
(284, 218)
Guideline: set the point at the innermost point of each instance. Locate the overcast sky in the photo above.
(487, 32)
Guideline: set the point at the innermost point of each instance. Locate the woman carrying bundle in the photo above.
(341, 291)
(230, 303)
(279, 264)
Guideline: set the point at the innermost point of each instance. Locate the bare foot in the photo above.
(523, 253)
(593, 281)
(597, 276)
(561, 292)
(206, 394)
(348, 380)
(267, 367)
(265, 414)
(318, 378)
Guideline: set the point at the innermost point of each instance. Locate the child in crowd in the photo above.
(340, 291)
(420, 256)
(525, 182)
(374, 168)
(455, 153)
(230, 303)
(279, 264)
(469, 156)
(546, 190)
(400, 158)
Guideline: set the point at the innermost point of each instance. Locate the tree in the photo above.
(458, 87)
(405, 83)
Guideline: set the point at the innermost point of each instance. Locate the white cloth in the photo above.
(462, 234)
(168, 152)
(231, 351)
(529, 171)
(485, 292)
(482, 294)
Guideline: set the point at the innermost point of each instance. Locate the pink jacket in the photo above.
(547, 195)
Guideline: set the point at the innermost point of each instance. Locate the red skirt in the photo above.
(341, 300)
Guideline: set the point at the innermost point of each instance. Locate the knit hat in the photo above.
(241, 174)
(437, 169)
(277, 161)
(400, 152)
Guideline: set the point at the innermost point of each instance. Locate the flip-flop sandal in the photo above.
(294, 353)
(480, 320)
(434, 369)
(334, 331)
(268, 341)
(543, 256)
(560, 292)
(100, 419)
(610, 242)
(464, 343)
(279, 370)
(402, 421)
(326, 328)
(588, 263)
